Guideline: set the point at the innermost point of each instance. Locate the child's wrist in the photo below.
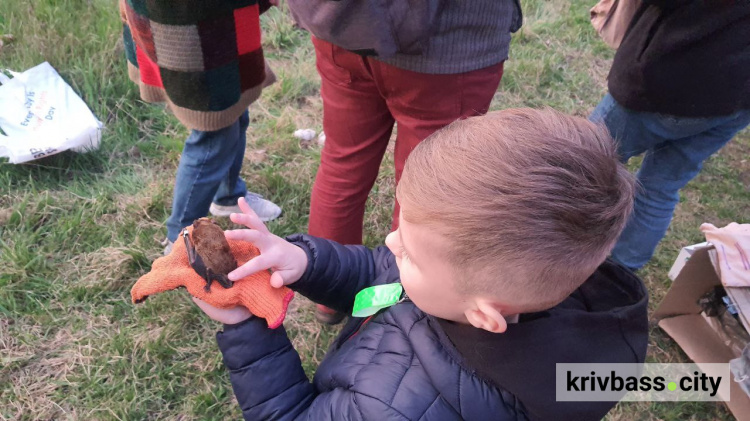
(304, 263)
(238, 324)
(303, 260)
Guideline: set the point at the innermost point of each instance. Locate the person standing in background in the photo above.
(206, 62)
(679, 90)
(420, 64)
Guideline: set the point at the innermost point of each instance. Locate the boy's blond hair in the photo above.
(530, 201)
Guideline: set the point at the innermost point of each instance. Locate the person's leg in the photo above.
(625, 126)
(423, 104)
(675, 151)
(203, 166)
(232, 187)
(634, 135)
(357, 125)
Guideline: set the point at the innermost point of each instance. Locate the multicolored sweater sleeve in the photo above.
(202, 57)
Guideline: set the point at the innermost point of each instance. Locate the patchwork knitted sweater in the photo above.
(202, 57)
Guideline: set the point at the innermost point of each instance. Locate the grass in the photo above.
(77, 230)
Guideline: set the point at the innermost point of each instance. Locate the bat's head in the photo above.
(204, 223)
(209, 233)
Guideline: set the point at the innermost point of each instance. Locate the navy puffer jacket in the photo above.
(400, 364)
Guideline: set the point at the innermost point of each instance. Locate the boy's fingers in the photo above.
(228, 316)
(250, 220)
(257, 238)
(247, 210)
(277, 280)
(256, 264)
(206, 307)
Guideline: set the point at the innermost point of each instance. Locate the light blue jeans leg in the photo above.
(232, 187)
(208, 171)
(675, 149)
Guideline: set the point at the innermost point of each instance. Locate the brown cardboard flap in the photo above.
(696, 338)
(694, 281)
(702, 345)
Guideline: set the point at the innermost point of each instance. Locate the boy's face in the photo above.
(426, 277)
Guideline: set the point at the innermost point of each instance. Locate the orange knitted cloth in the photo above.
(253, 292)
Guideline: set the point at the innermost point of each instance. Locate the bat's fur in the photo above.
(212, 246)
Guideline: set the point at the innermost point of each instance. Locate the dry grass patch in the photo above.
(107, 267)
(35, 384)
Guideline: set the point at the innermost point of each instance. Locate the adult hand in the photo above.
(228, 316)
(287, 261)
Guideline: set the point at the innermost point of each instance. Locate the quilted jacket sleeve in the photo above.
(270, 384)
(336, 273)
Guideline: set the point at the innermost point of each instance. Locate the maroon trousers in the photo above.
(362, 99)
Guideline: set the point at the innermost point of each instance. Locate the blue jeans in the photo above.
(675, 149)
(209, 171)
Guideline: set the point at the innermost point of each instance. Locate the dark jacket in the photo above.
(403, 364)
(688, 58)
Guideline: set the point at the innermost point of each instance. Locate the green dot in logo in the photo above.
(672, 386)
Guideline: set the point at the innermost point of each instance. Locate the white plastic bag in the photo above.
(41, 115)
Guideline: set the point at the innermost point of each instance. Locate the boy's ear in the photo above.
(486, 316)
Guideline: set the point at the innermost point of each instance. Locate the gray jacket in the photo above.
(426, 36)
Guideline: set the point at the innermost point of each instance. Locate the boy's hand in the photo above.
(228, 316)
(287, 261)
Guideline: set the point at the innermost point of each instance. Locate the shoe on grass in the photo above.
(265, 209)
(167, 246)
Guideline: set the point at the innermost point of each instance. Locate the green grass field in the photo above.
(76, 231)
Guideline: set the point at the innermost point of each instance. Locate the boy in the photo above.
(506, 221)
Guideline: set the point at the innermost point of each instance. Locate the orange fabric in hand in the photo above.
(254, 292)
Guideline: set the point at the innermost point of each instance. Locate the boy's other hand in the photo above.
(287, 261)
(228, 316)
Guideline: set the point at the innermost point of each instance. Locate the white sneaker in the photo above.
(167, 246)
(266, 210)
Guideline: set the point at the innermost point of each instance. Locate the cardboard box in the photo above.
(741, 299)
(683, 258)
(680, 316)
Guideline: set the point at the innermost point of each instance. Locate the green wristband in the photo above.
(371, 300)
